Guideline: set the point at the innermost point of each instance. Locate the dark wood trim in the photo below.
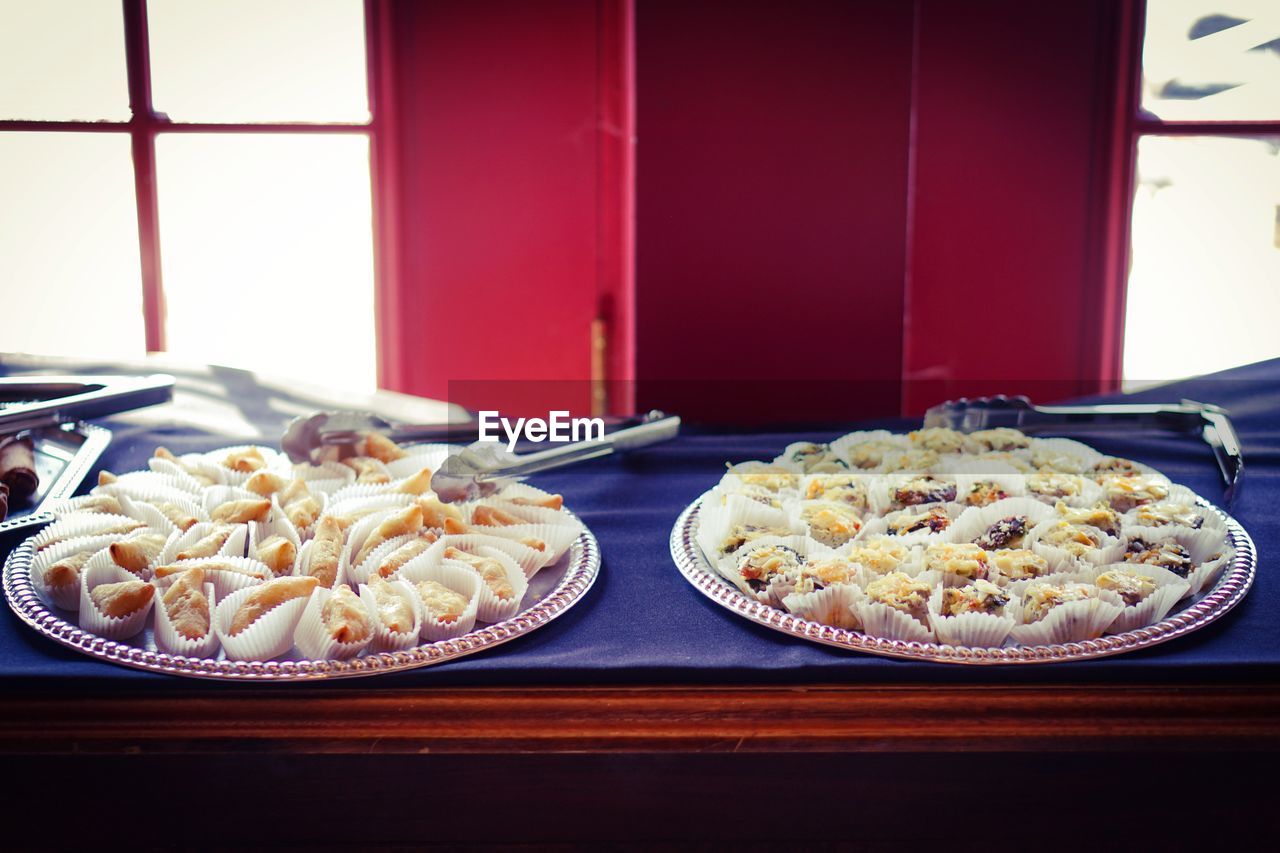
(656, 719)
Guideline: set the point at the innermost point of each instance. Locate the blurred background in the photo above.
(740, 211)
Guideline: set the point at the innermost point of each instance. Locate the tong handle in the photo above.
(968, 415)
(108, 395)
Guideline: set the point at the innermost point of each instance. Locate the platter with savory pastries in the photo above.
(237, 564)
(986, 547)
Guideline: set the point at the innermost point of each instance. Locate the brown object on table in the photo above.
(18, 468)
(4, 501)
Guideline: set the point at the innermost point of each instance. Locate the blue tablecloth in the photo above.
(644, 624)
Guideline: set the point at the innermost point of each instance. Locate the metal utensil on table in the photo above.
(483, 467)
(1210, 422)
(35, 402)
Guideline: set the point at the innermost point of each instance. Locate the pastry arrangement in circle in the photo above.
(238, 553)
(985, 539)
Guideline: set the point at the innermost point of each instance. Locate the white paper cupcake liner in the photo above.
(234, 546)
(181, 476)
(67, 506)
(530, 514)
(976, 630)
(772, 594)
(529, 560)
(65, 596)
(78, 525)
(313, 638)
(515, 491)
(1067, 623)
(884, 486)
(796, 510)
(883, 621)
(556, 539)
(364, 506)
(851, 488)
(394, 641)
(490, 608)
(269, 636)
(832, 605)
(1065, 455)
(215, 496)
(277, 524)
(170, 641)
(811, 457)
(422, 456)
(224, 583)
(1110, 550)
(970, 472)
(151, 484)
(148, 515)
(94, 620)
(143, 504)
(273, 459)
(1089, 493)
(104, 557)
(845, 443)
(1170, 589)
(975, 520)
(328, 477)
(880, 526)
(718, 520)
(459, 578)
(302, 566)
(1206, 574)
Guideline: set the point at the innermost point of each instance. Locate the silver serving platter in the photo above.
(552, 591)
(1232, 585)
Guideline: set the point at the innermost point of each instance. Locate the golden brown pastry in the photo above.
(277, 553)
(187, 605)
(178, 516)
(492, 516)
(533, 542)
(267, 597)
(299, 505)
(393, 562)
(136, 553)
(345, 617)
(453, 527)
(104, 504)
(123, 598)
(436, 512)
(418, 484)
(66, 571)
(108, 527)
(209, 544)
(245, 461)
(265, 483)
(382, 448)
(394, 610)
(490, 571)
(192, 470)
(326, 548)
(440, 602)
(241, 511)
(106, 478)
(408, 520)
(369, 471)
(212, 567)
(549, 502)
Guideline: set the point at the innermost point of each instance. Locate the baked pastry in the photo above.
(441, 603)
(266, 597)
(824, 572)
(998, 439)
(1076, 539)
(1100, 515)
(187, 606)
(1054, 484)
(741, 534)
(879, 554)
(435, 512)
(830, 523)
(122, 598)
(848, 489)
(492, 516)
(1128, 584)
(1125, 493)
(760, 566)
(937, 439)
(1040, 598)
(369, 471)
(136, 553)
(18, 468)
(923, 490)
(815, 458)
(418, 484)
(326, 549)
(981, 596)
(1114, 466)
(241, 511)
(1166, 555)
(209, 544)
(983, 492)
(407, 520)
(193, 471)
(393, 562)
(277, 553)
(178, 516)
(548, 502)
(65, 572)
(933, 519)
(1169, 515)
(299, 505)
(103, 504)
(1008, 532)
(344, 616)
(871, 453)
(265, 483)
(489, 569)
(911, 459)
(903, 593)
(1016, 564)
(378, 446)
(394, 610)
(775, 478)
(212, 567)
(245, 461)
(960, 560)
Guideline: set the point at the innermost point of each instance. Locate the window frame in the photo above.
(146, 124)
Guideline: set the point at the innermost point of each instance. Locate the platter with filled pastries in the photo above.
(237, 564)
(982, 548)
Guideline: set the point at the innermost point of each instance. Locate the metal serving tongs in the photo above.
(35, 402)
(477, 469)
(1210, 422)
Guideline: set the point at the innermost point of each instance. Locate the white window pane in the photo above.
(69, 245)
(62, 60)
(1212, 59)
(1204, 287)
(267, 253)
(258, 60)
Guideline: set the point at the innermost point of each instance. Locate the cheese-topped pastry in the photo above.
(741, 534)
(326, 548)
(490, 571)
(998, 439)
(934, 519)
(1101, 516)
(393, 562)
(939, 439)
(772, 477)
(1125, 493)
(136, 553)
(871, 454)
(1040, 599)
(1058, 459)
(983, 492)
(816, 458)
(981, 596)
(1114, 466)
(1076, 539)
(761, 565)
(902, 593)
(245, 461)
(959, 559)
(1169, 515)
(265, 598)
(923, 490)
(394, 610)
(121, 599)
(265, 483)
(406, 521)
(1055, 484)
(824, 572)
(66, 571)
(242, 511)
(187, 605)
(277, 552)
(1166, 555)
(299, 505)
(1008, 532)
(1128, 584)
(913, 459)
(848, 489)
(213, 567)
(830, 523)
(1018, 563)
(759, 494)
(344, 616)
(209, 544)
(879, 554)
(441, 603)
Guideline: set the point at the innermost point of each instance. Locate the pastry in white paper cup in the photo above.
(1198, 556)
(491, 512)
(832, 605)
(974, 615)
(234, 505)
(325, 555)
(227, 574)
(335, 625)
(899, 491)
(1050, 487)
(149, 483)
(193, 480)
(55, 571)
(368, 533)
(896, 607)
(768, 568)
(449, 597)
(80, 524)
(327, 477)
(368, 471)
(275, 542)
(831, 523)
(102, 504)
(162, 511)
(1126, 493)
(996, 440)
(767, 476)
(503, 581)
(737, 522)
(957, 563)
(1010, 565)
(398, 611)
(240, 462)
(391, 556)
(1062, 610)
(257, 623)
(137, 553)
(809, 457)
(1175, 515)
(421, 456)
(852, 488)
(528, 558)
(981, 482)
(1066, 545)
(881, 554)
(357, 509)
(1148, 592)
(1003, 524)
(208, 539)
(917, 525)
(1064, 456)
(184, 617)
(527, 495)
(866, 450)
(550, 541)
(114, 603)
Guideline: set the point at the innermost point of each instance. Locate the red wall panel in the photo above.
(771, 206)
(1012, 104)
